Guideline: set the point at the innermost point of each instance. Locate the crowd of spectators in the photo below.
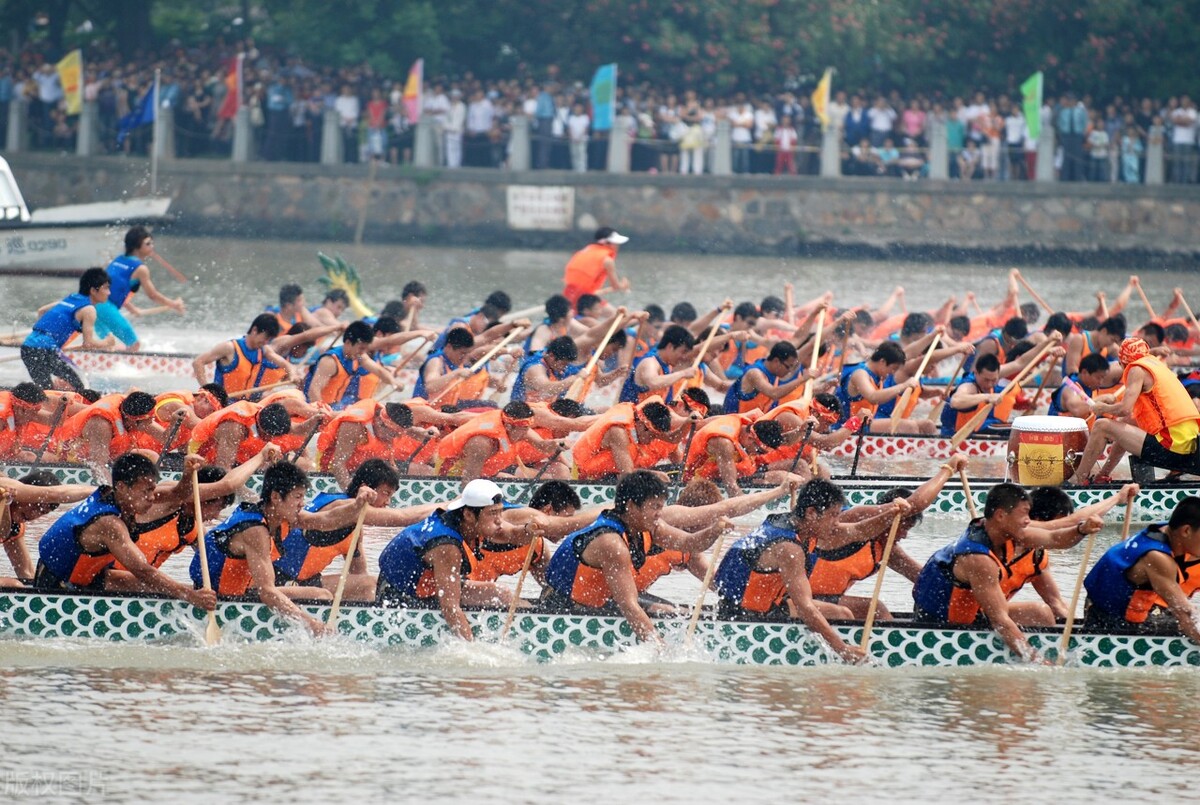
(883, 134)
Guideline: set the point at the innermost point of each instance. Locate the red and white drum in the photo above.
(1045, 450)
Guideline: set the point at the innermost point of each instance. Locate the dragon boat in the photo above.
(28, 615)
(1153, 503)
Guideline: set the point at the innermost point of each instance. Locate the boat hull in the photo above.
(545, 637)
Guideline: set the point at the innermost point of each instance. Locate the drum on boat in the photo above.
(1045, 450)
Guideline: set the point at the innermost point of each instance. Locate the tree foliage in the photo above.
(1105, 47)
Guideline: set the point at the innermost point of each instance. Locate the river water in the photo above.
(305, 720)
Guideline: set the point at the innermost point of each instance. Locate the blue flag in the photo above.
(142, 114)
(604, 97)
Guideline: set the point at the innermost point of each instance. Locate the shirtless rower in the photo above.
(79, 550)
(429, 564)
(970, 580)
(241, 549)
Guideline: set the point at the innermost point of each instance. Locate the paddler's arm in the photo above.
(338, 515)
(874, 525)
(758, 382)
(1046, 588)
(1163, 574)
(789, 560)
(700, 326)
(240, 475)
(537, 379)
(588, 340)
(677, 539)
(401, 338)
(1075, 403)
(87, 322)
(722, 451)
(142, 274)
(518, 525)
(904, 564)
(689, 517)
(1136, 381)
(1094, 510)
(475, 454)
(617, 442)
(283, 363)
(384, 374)
(326, 367)
(115, 538)
(609, 553)
(446, 562)
(401, 517)
(435, 382)
(861, 387)
(286, 343)
(221, 352)
(1074, 353)
(650, 376)
(1062, 537)
(964, 400)
(544, 417)
(349, 436)
(1122, 300)
(610, 271)
(108, 315)
(56, 495)
(255, 543)
(979, 572)
(925, 494)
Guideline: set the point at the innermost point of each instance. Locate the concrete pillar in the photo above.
(1045, 153)
(164, 141)
(939, 151)
(618, 146)
(518, 144)
(243, 136)
(831, 152)
(331, 139)
(723, 149)
(1155, 156)
(87, 142)
(424, 148)
(18, 119)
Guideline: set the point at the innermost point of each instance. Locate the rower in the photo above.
(78, 551)
(167, 527)
(129, 274)
(765, 382)
(112, 426)
(588, 309)
(653, 374)
(1166, 422)
(976, 391)
(999, 313)
(232, 435)
(552, 513)
(41, 351)
(546, 374)
(332, 307)
(208, 400)
(834, 571)
(371, 429)
(307, 552)
(557, 323)
(240, 363)
(598, 569)
(292, 309)
(766, 569)
(429, 564)
(794, 418)
(589, 267)
(241, 549)
(22, 501)
(487, 446)
(861, 389)
(746, 348)
(480, 320)
(730, 447)
(1137, 582)
(1074, 398)
(970, 581)
(448, 365)
(1000, 343)
(625, 437)
(1104, 340)
(412, 299)
(334, 379)
(25, 418)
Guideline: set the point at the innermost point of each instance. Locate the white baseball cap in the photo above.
(477, 494)
(616, 238)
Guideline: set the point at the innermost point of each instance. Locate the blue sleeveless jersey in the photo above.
(120, 278)
(58, 323)
(402, 562)
(58, 549)
(1108, 591)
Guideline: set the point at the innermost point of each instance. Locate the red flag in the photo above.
(233, 90)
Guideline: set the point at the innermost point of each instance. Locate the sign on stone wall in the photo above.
(531, 207)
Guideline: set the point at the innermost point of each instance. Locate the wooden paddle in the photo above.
(807, 395)
(1083, 567)
(1103, 307)
(973, 424)
(936, 413)
(172, 432)
(59, 410)
(1188, 308)
(583, 380)
(479, 364)
(902, 405)
(713, 329)
(400, 367)
(212, 632)
(331, 622)
(708, 577)
(516, 599)
(1146, 302)
(1036, 297)
(962, 477)
(237, 395)
(883, 564)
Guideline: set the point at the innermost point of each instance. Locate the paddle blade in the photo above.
(972, 425)
(212, 632)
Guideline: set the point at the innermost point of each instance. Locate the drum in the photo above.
(1045, 450)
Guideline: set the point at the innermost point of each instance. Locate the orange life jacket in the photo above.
(243, 412)
(488, 425)
(124, 439)
(1166, 404)
(496, 559)
(730, 426)
(594, 460)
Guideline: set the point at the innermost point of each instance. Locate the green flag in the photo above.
(1031, 104)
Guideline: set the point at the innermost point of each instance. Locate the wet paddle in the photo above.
(973, 424)
(304, 445)
(962, 477)
(1188, 308)
(1146, 302)
(583, 380)
(862, 433)
(694, 620)
(1036, 297)
(807, 395)
(402, 466)
(479, 364)
(331, 622)
(400, 367)
(212, 632)
(883, 564)
(936, 413)
(1083, 568)
(59, 410)
(902, 404)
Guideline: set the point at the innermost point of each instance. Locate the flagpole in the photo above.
(154, 136)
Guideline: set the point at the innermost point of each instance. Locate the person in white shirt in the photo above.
(456, 119)
(837, 110)
(347, 107)
(577, 132)
(741, 118)
(1183, 142)
(883, 120)
(1014, 143)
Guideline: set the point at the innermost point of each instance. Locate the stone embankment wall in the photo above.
(1017, 222)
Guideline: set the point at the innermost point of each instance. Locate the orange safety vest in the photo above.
(730, 427)
(835, 571)
(162, 539)
(1165, 405)
(14, 437)
(244, 373)
(585, 270)
(659, 562)
(489, 425)
(123, 440)
(243, 412)
(496, 559)
(593, 460)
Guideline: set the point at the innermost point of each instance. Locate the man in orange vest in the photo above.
(489, 444)
(728, 447)
(1167, 424)
(590, 266)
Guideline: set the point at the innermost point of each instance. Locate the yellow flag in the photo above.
(820, 98)
(70, 75)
